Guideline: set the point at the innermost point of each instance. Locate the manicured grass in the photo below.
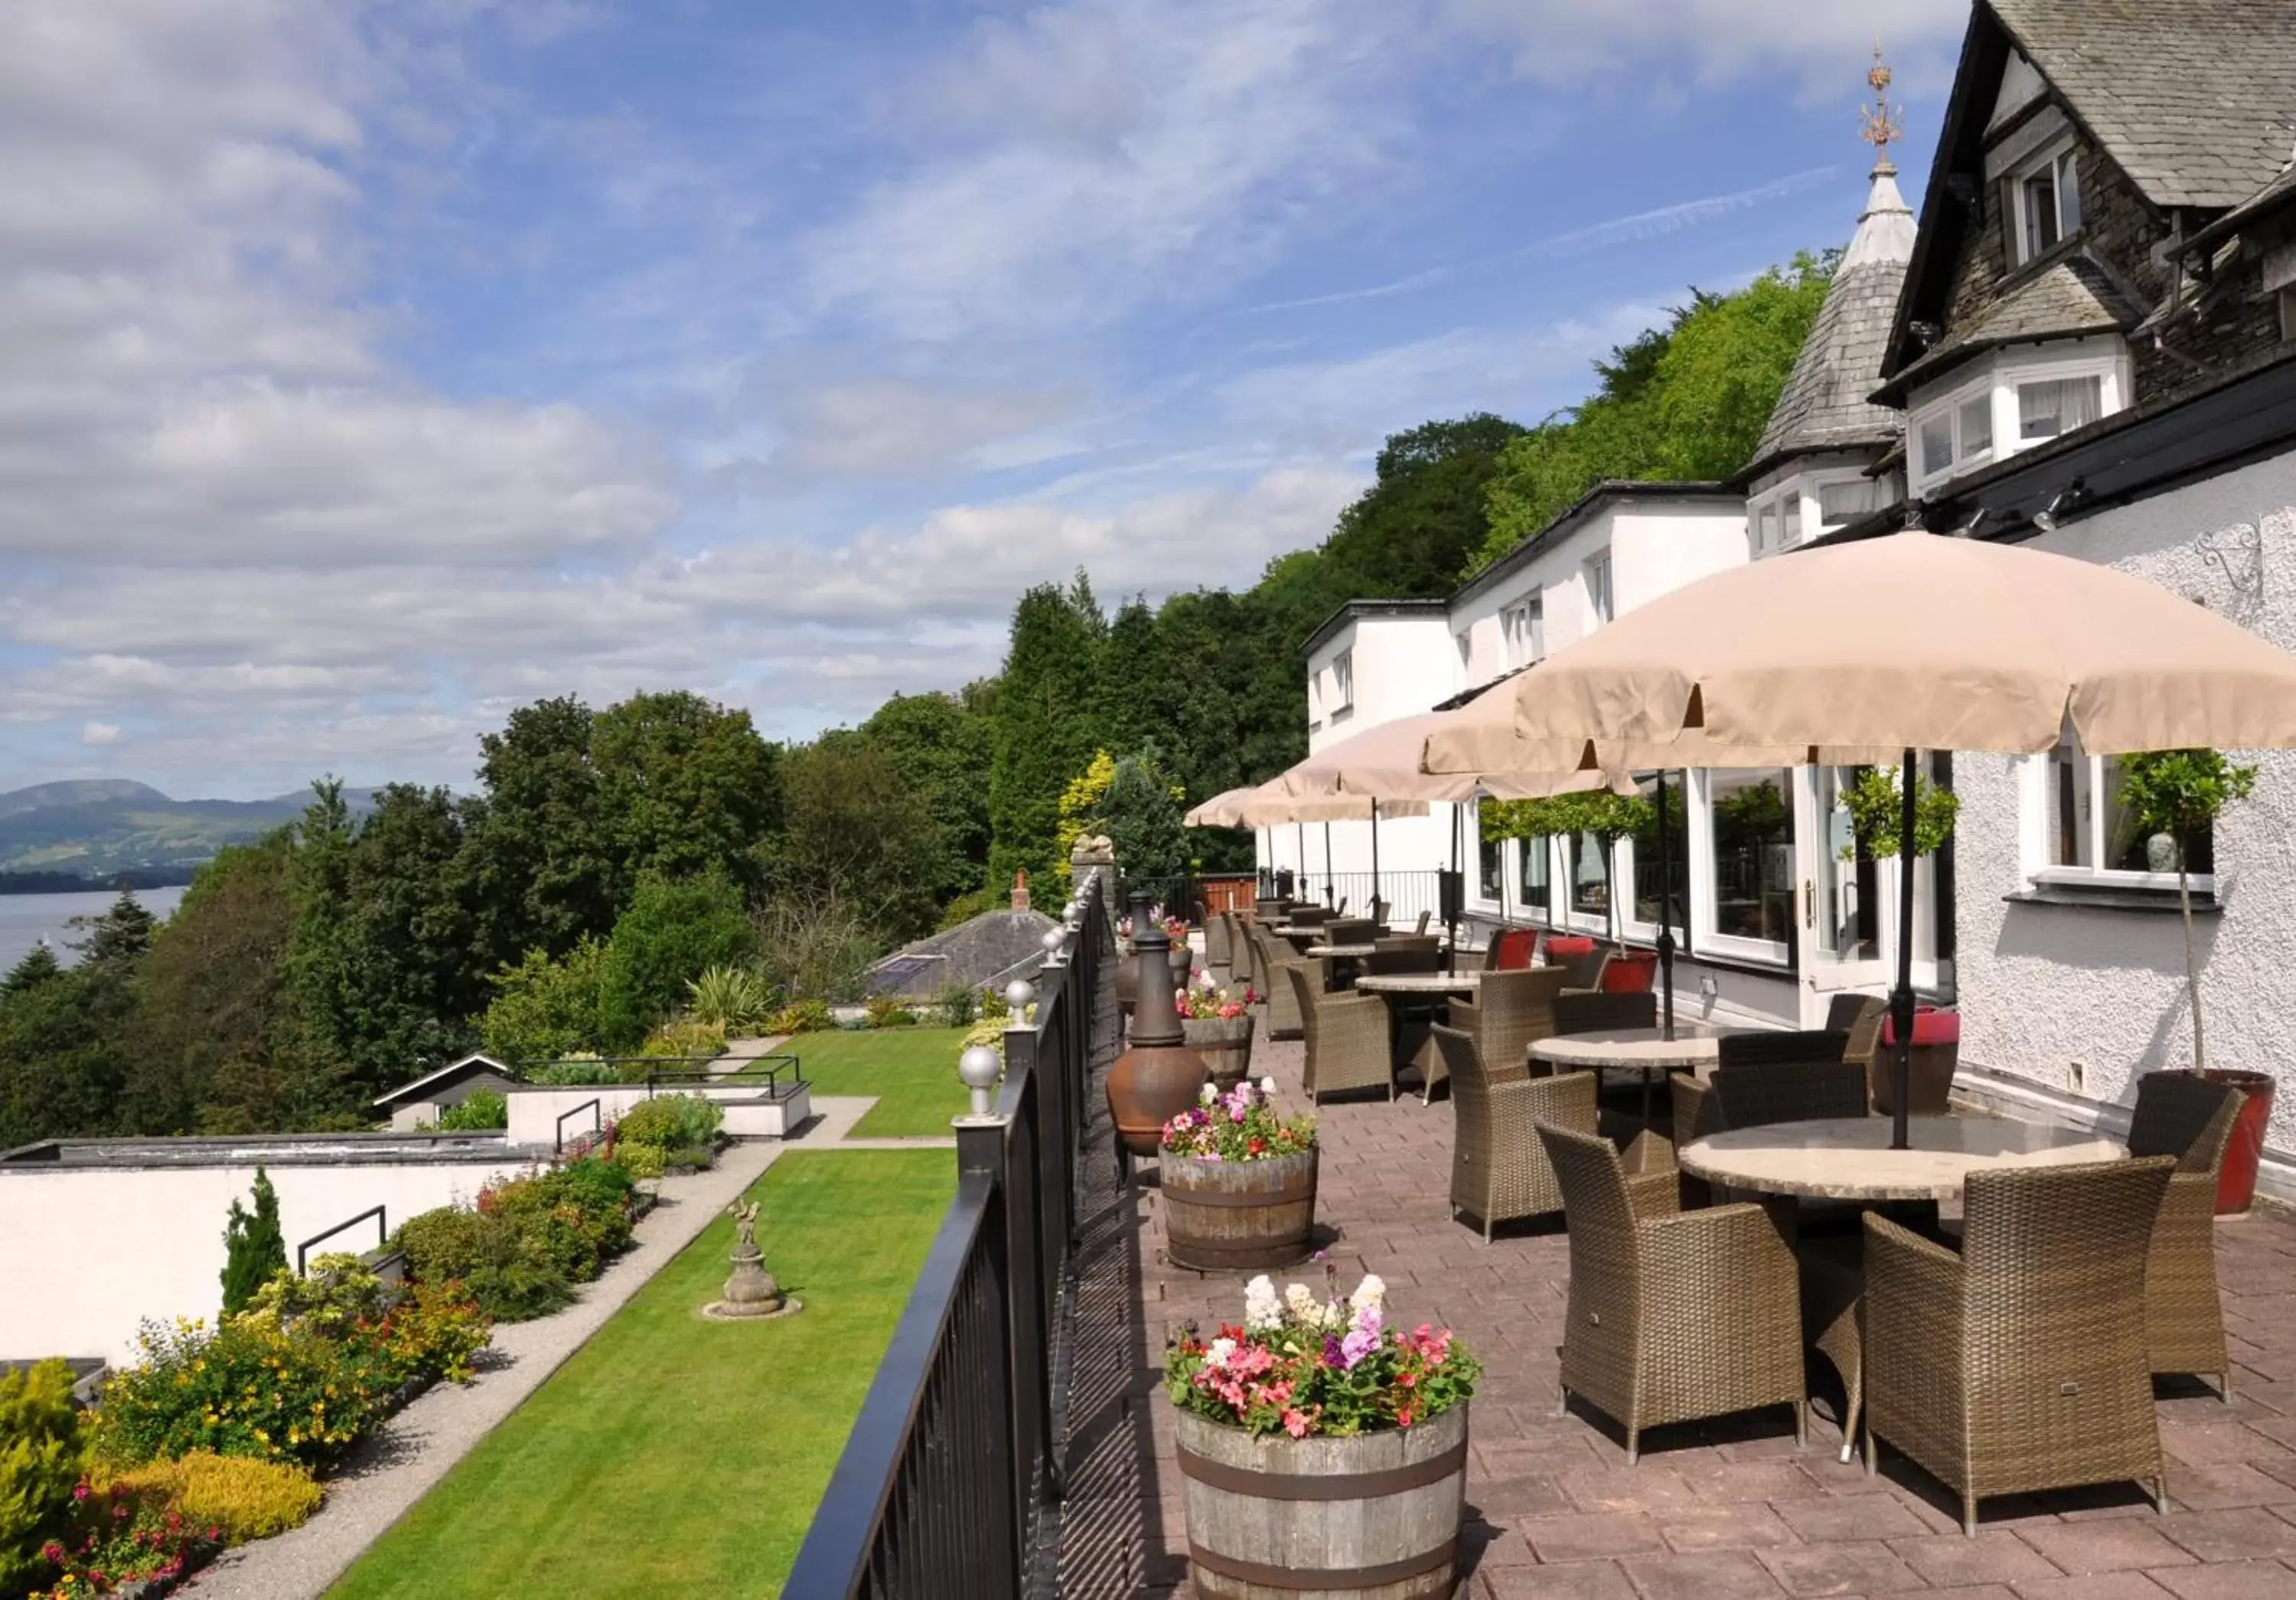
(672, 1455)
(910, 1070)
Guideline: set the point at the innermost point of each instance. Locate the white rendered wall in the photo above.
(2043, 987)
(534, 1111)
(86, 1253)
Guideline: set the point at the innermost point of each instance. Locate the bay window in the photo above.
(2048, 406)
(1841, 504)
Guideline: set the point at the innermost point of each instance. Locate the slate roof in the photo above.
(993, 947)
(2195, 98)
(1824, 405)
(2073, 297)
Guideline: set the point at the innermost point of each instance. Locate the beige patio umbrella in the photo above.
(1911, 641)
(1272, 803)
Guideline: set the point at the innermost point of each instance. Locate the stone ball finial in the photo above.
(979, 1068)
(1054, 939)
(1020, 994)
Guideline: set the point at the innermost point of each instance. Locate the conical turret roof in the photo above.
(1823, 405)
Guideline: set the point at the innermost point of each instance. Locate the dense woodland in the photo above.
(610, 856)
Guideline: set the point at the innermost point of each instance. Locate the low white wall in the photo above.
(87, 1253)
(534, 1111)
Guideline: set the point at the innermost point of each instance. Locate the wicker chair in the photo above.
(1310, 917)
(1351, 930)
(1510, 950)
(1748, 1095)
(1675, 1318)
(1347, 1044)
(1511, 1011)
(1499, 1170)
(1220, 952)
(1403, 953)
(1272, 965)
(1596, 1013)
(2019, 1364)
(1421, 925)
(1858, 1017)
(2191, 1119)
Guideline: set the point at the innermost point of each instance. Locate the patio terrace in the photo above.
(1725, 1510)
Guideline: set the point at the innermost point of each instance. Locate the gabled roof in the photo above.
(2195, 100)
(1824, 404)
(2072, 297)
(444, 1078)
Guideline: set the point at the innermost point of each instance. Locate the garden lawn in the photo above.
(910, 1070)
(672, 1455)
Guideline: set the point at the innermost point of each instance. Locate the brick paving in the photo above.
(1712, 1512)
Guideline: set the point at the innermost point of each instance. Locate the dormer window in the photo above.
(2047, 195)
(1954, 435)
(2056, 406)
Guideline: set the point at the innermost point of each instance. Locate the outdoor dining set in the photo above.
(1994, 1298)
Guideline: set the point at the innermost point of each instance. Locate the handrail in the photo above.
(381, 1236)
(593, 1106)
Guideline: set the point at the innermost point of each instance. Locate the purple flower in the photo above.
(1235, 1114)
(1360, 1342)
(1332, 1352)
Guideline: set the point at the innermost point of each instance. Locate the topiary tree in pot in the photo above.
(2179, 792)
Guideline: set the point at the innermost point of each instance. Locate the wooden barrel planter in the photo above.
(1226, 1045)
(1220, 1216)
(1373, 1517)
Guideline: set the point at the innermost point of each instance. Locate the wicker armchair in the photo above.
(1676, 1317)
(1778, 1046)
(2191, 1119)
(1499, 1170)
(1510, 950)
(1347, 1046)
(1402, 953)
(2019, 1365)
(1857, 1018)
(1310, 917)
(1351, 930)
(1272, 964)
(1511, 1011)
(1596, 1013)
(1746, 1094)
(1219, 951)
(1421, 925)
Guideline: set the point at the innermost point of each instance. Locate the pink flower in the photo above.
(1295, 1422)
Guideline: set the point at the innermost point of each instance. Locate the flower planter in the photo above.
(1375, 1515)
(1936, 1056)
(2237, 1177)
(1223, 1215)
(1226, 1045)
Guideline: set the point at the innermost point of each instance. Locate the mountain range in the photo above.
(98, 829)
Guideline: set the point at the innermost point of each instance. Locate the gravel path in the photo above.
(414, 1449)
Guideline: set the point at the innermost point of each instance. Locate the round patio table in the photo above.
(1404, 990)
(1849, 1157)
(1340, 952)
(1644, 1050)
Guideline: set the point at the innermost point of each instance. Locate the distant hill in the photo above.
(99, 828)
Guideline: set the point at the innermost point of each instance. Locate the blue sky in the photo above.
(376, 368)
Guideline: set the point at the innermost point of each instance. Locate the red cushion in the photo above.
(1931, 1026)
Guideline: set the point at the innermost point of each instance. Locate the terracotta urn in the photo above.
(1159, 1077)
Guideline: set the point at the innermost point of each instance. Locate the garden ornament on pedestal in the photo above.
(1159, 1077)
(752, 1291)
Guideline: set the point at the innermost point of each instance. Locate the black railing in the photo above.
(382, 1235)
(597, 1121)
(950, 1482)
(1406, 893)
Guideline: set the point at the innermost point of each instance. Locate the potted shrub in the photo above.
(1320, 1449)
(1217, 1024)
(1239, 1181)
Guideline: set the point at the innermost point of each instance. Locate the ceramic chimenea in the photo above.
(1127, 970)
(1159, 1077)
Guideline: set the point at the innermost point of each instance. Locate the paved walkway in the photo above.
(416, 1448)
(1712, 1512)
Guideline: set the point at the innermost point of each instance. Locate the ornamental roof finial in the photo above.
(1881, 126)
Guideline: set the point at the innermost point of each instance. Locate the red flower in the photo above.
(80, 1491)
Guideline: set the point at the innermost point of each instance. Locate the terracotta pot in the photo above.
(1226, 1045)
(1374, 1516)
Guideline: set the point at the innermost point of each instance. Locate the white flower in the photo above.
(1209, 1096)
(1218, 1352)
(1370, 1292)
(1261, 1309)
(1268, 1085)
(1305, 1309)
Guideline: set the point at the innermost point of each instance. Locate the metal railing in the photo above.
(950, 1481)
(1406, 893)
(597, 1121)
(381, 1236)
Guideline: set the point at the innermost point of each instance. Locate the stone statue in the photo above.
(745, 1226)
(752, 1291)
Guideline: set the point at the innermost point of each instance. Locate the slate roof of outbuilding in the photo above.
(2195, 98)
(2073, 297)
(1824, 405)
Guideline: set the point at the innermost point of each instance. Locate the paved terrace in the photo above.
(1720, 1511)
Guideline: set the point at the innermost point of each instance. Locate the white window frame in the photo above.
(2036, 806)
(1523, 626)
(1700, 880)
(2105, 370)
(1951, 406)
(1343, 684)
(1634, 928)
(2061, 161)
(1542, 914)
(1818, 486)
(1602, 586)
(1475, 875)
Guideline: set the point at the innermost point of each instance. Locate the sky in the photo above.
(369, 370)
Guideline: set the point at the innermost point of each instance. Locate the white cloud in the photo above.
(99, 733)
(1563, 42)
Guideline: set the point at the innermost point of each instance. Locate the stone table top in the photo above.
(1692, 1045)
(1341, 952)
(1420, 983)
(1849, 1157)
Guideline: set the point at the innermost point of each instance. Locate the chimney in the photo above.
(1021, 889)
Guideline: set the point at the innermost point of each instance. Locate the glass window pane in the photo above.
(1590, 893)
(1535, 875)
(1765, 529)
(1753, 855)
(1847, 891)
(1977, 426)
(1793, 519)
(2056, 406)
(1839, 503)
(2040, 213)
(2069, 799)
(1937, 443)
(2068, 211)
(1647, 854)
(1488, 870)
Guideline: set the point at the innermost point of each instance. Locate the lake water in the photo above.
(25, 918)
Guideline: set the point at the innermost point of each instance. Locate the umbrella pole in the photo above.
(1666, 904)
(1300, 844)
(1451, 923)
(1328, 901)
(1902, 1003)
(1374, 857)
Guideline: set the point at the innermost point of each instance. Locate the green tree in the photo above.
(116, 941)
(42, 1455)
(545, 1009)
(254, 1249)
(1687, 401)
(938, 746)
(2180, 792)
(36, 966)
(675, 930)
(687, 786)
(542, 855)
(1045, 728)
(855, 829)
(1140, 812)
